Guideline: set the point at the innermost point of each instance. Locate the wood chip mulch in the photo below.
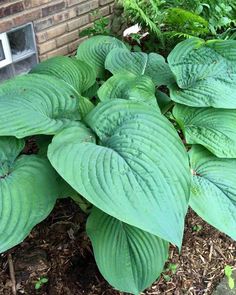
(59, 250)
(201, 264)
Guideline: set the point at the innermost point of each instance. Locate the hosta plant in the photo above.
(107, 131)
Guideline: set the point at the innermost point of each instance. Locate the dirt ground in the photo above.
(58, 249)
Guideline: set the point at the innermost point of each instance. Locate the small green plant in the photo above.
(99, 27)
(139, 157)
(40, 283)
(171, 269)
(228, 273)
(197, 227)
(166, 277)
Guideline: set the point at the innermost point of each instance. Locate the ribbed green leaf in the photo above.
(94, 51)
(28, 191)
(128, 86)
(139, 174)
(10, 148)
(159, 70)
(37, 104)
(85, 106)
(205, 73)
(213, 191)
(140, 63)
(92, 91)
(64, 189)
(75, 72)
(212, 128)
(163, 101)
(130, 259)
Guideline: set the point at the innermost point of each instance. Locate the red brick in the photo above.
(60, 17)
(51, 9)
(85, 27)
(6, 25)
(47, 46)
(27, 3)
(42, 24)
(74, 2)
(104, 11)
(74, 45)
(87, 7)
(35, 3)
(28, 16)
(59, 51)
(104, 2)
(41, 37)
(78, 22)
(51, 33)
(11, 9)
(43, 57)
(67, 38)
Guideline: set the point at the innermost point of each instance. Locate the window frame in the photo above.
(6, 51)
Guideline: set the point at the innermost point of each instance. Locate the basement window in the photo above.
(18, 52)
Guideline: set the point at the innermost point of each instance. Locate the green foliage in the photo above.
(173, 21)
(146, 257)
(40, 283)
(220, 14)
(160, 137)
(140, 63)
(24, 200)
(184, 23)
(205, 73)
(99, 27)
(228, 273)
(197, 228)
(95, 50)
(172, 267)
(170, 270)
(146, 13)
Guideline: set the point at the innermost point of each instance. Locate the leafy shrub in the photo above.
(100, 26)
(220, 14)
(137, 169)
(175, 20)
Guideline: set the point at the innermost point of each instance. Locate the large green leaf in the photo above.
(212, 128)
(164, 101)
(140, 63)
(75, 72)
(85, 106)
(129, 258)
(205, 73)
(128, 86)
(213, 191)
(37, 104)
(94, 51)
(92, 91)
(28, 191)
(139, 174)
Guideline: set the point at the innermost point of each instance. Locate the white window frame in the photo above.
(6, 51)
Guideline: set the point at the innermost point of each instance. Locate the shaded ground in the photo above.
(59, 250)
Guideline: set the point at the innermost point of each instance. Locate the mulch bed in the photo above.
(59, 250)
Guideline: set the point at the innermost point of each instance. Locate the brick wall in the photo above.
(57, 23)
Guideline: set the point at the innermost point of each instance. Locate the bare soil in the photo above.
(59, 250)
